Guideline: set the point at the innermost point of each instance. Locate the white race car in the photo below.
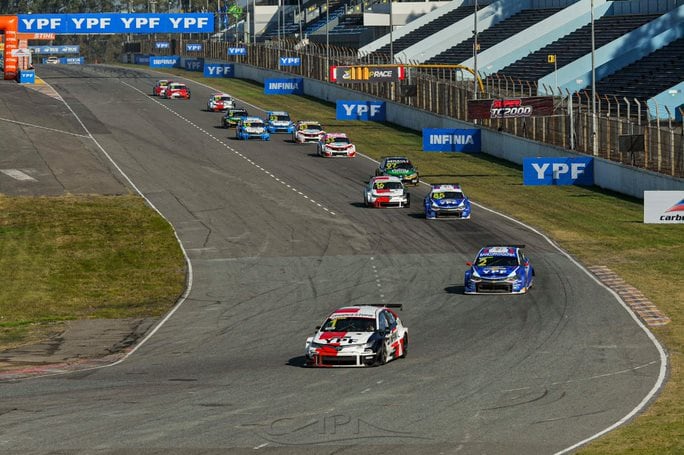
(336, 144)
(358, 336)
(220, 102)
(386, 191)
(307, 131)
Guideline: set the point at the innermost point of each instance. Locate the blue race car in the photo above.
(446, 199)
(249, 127)
(499, 269)
(279, 122)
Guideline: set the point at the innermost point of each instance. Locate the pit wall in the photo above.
(608, 175)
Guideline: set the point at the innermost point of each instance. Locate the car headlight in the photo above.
(435, 205)
(475, 274)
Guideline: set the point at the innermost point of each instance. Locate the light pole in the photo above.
(594, 138)
(391, 24)
(475, 54)
(327, 37)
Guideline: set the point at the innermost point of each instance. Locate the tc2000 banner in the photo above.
(533, 106)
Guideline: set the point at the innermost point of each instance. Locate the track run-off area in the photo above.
(276, 238)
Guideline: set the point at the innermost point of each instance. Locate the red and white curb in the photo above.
(641, 306)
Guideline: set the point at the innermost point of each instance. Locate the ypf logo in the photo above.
(373, 111)
(218, 70)
(558, 171)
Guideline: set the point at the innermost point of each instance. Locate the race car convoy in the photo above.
(371, 335)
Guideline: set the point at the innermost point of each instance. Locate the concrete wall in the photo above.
(607, 174)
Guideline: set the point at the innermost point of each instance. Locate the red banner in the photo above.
(534, 106)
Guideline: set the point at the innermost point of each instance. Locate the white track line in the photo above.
(231, 149)
(31, 125)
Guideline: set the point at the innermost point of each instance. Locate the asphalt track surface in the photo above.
(277, 238)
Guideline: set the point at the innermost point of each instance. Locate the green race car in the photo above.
(398, 166)
(233, 116)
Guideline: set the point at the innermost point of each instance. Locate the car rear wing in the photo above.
(399, 306)
(505, 246)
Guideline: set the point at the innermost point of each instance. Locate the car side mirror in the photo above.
(318, 327)
(469, 263)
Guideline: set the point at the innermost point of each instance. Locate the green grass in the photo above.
(596, 227)
(82, 257)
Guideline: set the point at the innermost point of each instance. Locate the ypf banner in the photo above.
(219, 70)
(109, 23)
(65, 49)
(373, 111)
(558, 171)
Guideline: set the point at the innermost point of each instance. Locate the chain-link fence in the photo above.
(622, 130)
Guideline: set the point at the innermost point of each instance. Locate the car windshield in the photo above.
(241, 113)
(437, 195)
(352, 324)
(311, 127)
(496, 261)
(337, 140)
(400, 165)
(254, 124)
(279, 118)
(224, 98)
(384, 185)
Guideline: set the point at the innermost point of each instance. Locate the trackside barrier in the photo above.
(440, 100)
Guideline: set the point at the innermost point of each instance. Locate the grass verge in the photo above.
(83, 257)
(596, 227)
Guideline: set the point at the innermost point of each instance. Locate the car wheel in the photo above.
(404, 350)
(382, 357)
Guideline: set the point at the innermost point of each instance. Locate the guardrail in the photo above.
(624, 132)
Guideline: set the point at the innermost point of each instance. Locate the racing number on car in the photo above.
(379, 186)
(437, 196)
(482, 261)
(391, 165)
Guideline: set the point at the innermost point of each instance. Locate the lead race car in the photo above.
(499, 269)
(358, 336)
(446, 199)
(176, 90)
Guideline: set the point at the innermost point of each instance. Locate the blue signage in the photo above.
(193, 47)
(293, 86)
(194, 64)
(108, 23)
(162, 45)
(168, 61)
(65, 49)
(219, 70)
(373, 111)
(237, 51)
(26, 77)
(140, 59)
(290, 61)
(72, 60)
(451, 140)
(558, 171)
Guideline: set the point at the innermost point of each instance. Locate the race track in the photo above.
(277, 238)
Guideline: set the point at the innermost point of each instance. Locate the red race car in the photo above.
(160, 87)
(176, 90)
